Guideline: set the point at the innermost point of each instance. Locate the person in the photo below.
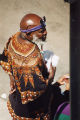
(63, 110)
(29, 97)
(32, 96)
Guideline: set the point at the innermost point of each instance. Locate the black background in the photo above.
(75, 58)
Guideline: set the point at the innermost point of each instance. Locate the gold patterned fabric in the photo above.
(26, 65)
(44, 116)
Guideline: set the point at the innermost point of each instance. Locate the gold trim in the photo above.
(29, 58)
(14, 116)
(27, 96)
(22, 54)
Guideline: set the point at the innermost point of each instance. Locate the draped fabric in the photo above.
(25, 63)
(34, 98)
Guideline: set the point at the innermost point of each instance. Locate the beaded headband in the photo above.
(42, 21)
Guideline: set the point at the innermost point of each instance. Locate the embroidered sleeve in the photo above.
(6, 67)
(4, 59)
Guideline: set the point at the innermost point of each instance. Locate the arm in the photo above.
(56, 90)
(65, 80)
(12, 84)
(4, 55)
(6, 66)
(52, 71)
(58, 97)
(4, 59)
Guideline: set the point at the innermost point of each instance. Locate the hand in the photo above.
(67, 86)
(12, 90)
(51, 73)
(64, 79)
(12, 85)
(67, 81)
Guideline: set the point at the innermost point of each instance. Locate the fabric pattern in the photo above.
(25, 64)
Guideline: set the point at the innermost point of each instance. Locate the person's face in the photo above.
(37, 35)
(40, 34)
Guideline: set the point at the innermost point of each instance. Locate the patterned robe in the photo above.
(25, 63)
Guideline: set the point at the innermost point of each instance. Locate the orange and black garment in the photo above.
(25, 63)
